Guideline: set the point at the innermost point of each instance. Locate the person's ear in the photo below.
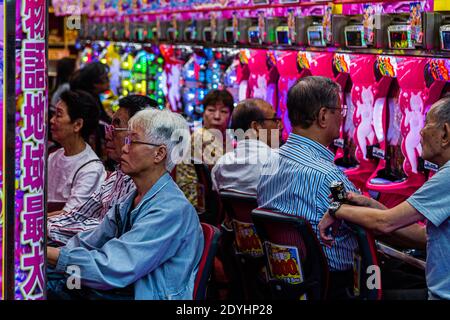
(255, 127)
(446, 136)
(160, 154)
(322, 117)
(78, 125)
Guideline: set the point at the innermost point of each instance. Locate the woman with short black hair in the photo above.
(74, 171)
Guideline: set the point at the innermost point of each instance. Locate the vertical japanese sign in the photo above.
(1, 148)
(30, 146)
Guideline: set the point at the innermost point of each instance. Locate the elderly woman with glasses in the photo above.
(149, 245)
(74, 171)
(87, 216)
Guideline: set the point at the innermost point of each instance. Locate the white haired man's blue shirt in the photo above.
(432, 200)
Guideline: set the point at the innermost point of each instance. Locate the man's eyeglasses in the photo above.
(343, 110)
(111, 129)
(128, 142)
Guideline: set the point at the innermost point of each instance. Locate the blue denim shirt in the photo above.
(159, 254)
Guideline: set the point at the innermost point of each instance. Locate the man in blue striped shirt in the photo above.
(296, 179)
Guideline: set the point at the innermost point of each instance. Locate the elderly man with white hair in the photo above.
(430, 202)
(149, 245)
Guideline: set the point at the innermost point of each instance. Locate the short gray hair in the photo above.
(165, 127)
(441, 110)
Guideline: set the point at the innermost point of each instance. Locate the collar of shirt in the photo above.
(251, 143)
(298, 142)
(160, 184)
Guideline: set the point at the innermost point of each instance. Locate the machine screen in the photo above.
(188, 35)
(445, 36)
(399, 39)
(207, 36)
(283, 37)
(229, 36)
(354, 38)
(140, 35)
(315, 38)
(253, 36)
(172, 34)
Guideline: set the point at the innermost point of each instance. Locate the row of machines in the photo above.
(402, 25)
(175, 76)
(385, 66)
(387, 98)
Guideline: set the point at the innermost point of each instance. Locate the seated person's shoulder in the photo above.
(172, 199)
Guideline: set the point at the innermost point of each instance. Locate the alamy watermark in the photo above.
(73, 21)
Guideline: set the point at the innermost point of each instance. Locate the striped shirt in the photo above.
(88, 215)
(297, 181)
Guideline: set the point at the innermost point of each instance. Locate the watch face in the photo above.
(334, 205)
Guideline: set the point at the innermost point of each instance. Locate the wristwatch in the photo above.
(334, 206)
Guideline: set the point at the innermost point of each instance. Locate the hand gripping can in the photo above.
(337, 191)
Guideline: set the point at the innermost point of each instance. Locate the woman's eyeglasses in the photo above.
(111, 129)
(129, 141)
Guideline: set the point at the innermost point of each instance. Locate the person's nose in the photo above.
(52, 119)
(217, 115)
(125, 148)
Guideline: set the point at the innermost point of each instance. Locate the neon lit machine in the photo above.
(213, 32)
(413, 26)
(234, 78)
(237, 31)
(361, 27)
(126, 67)
(421, 81)
(365, 115)
(263, 28)
(292, 32)
(1, 148)
(139, 69)
(263, 79)
(444, 33)
(150, 28)
(401, 170)
(24, 109)
(289, 74)
(155, 71)
(364, 96)
(194, 84)
(170, 81)
(162, 25)
(175, 29)
(193, 33)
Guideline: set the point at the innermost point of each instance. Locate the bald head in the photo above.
(257, 119)
(249, 110)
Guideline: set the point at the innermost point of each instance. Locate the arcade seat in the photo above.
(365, 258)
(211, 238)
(208, 201)
(245, 246)
(295, 261)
